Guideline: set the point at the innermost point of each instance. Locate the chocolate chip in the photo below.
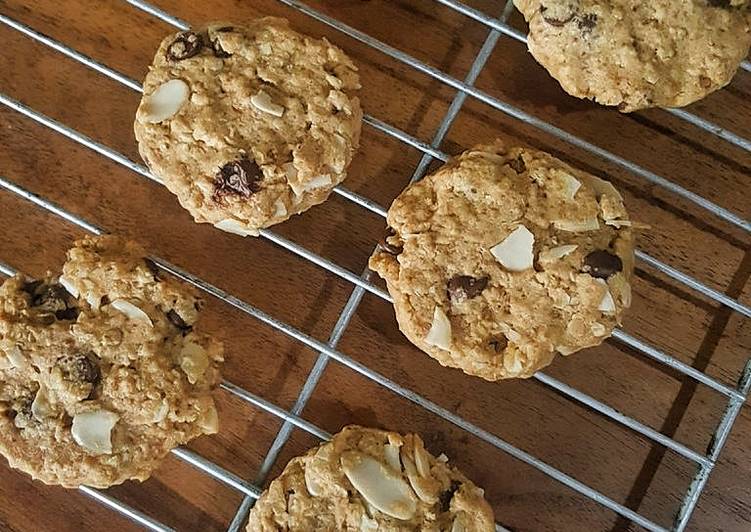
(177, 321)
(602, 264)
(389, 247)
(52, 300)
(558, 16)
(498, 344)
(446, 496)
(587, 22)
(466, 287)
(518, 165)
(237, 178)
(185, 45)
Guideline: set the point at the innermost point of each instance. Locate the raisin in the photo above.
(185, 45)
(465, 286)
(446, 496)
(387, 246)
(238, 178)
(602, 264)
(518, 165)
(498, 344)
(53, 300)
(177, 320)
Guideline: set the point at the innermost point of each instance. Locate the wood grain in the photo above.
(528, 414)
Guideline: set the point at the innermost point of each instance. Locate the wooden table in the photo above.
(603, 454)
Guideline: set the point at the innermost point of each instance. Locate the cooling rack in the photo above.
(735, 394)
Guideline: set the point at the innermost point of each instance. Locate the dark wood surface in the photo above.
(594, 450)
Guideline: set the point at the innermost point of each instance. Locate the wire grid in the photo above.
(497, 27)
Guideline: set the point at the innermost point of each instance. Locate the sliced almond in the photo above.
(16, 357)
(458, 524)
(512, 363)
(552, 254)
(577, 226)
(132, 311)
(209, 421)
(603, 187)
(515, 252)
(280, 209)
(165, 101)
(598, 329)
(265, 48)
(391, 453)
(93, 430)
(263, 102)
(571, 186)
(230, 225)
(607, 304)
(422, 460)
(316, 183)
(426, 488)
(193, 361)
(93, 300)
(334, 81)
(442, 458)
(564, 350)
(68, 285)
(161, 412)
(439, 334)
(379, 485)
(41, 407)
(312, 484)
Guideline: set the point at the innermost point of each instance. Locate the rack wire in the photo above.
(498, 27)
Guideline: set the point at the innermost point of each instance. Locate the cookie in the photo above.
(368, 479)
(635, 54)
(101, 369)
(504, 257)
(249, 125)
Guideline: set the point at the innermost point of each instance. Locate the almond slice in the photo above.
(193, 361)
(439, 334)
(68, 285)
(311, 483)
(209, 422)
(577, 226)
(132, 311)
(422, 460)
(280, 209)
(16, 357)
(41, 407)
(93, 430)
(457, 525)
(426, 488)
(165, 101)
(391, 453)
(549, 255)
(379, 485)
(263, 102)
(367, 524)
(515, 251)
(571, 186)
(607, 304)
(230, 225)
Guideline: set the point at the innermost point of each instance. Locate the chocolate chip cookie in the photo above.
(249, 125)
(368, 479)
(101, 369)
(635, 54)
(504, 257)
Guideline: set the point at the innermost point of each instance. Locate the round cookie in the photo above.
(504, 257)
(635, 54)
(368, 479)
(101, 370)
(249, 125)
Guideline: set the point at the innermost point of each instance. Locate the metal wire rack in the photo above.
(736, 394)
